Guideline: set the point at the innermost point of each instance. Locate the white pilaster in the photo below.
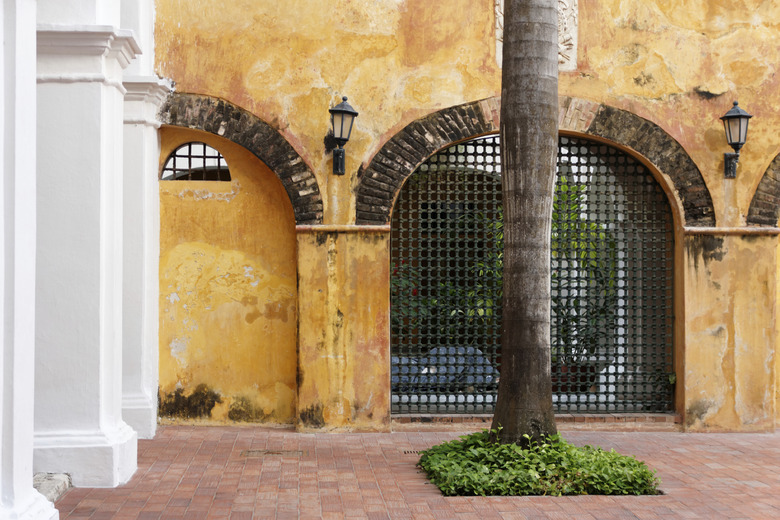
(18, 499)
(145, 95)
(78, 420)
(74, 12)
(138, 16)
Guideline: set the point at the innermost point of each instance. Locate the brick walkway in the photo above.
(252, 472)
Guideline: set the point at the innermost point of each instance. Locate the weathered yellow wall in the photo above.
(777, 342)
(288, 62)
(678, 64)
(227, 289)
(730, 341)
(344, 374)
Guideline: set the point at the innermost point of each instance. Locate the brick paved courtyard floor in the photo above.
(245, 472)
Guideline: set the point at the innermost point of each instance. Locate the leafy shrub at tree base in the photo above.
(474, 465)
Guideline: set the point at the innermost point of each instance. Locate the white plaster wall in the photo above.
(78, 419)
(18, 499)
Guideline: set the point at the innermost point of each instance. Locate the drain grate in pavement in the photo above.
(411, 452)
(264, 453)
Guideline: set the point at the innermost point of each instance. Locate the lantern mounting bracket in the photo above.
(730, 161)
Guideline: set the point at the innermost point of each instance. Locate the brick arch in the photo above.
(765, 206)
(222, 118)
(381, 181)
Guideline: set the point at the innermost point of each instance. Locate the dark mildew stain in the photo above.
(196, 405)
(312, 416)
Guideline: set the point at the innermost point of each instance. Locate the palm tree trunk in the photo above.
(529, 142)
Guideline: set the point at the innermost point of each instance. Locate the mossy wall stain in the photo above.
(697, 411)
(197, 405)
(312, 417)
(228, 293)
(243, 409)
(705, 248)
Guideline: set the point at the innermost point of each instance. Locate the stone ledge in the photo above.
(52, 485)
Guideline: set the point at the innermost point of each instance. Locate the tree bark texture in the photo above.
(529, 143)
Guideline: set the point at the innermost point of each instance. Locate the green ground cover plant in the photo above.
(474, 465)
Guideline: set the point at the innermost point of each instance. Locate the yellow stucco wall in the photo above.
(227, 291)
(344, 374)
(680, 65)
(730, 355)
(288, 62)
(677, 64)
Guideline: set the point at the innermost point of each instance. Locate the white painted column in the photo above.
(142, 252)
(145, 94)
(18, 499)
(78, 418)
(78, 12)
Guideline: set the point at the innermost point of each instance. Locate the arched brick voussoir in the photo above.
(382, 179)
(665, 153)
(222, 118)
(765, 207)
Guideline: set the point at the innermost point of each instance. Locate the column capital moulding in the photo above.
(83, 54)
(88, 40)
(143, 98)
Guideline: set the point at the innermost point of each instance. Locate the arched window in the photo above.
(195, 162)
(611, 285)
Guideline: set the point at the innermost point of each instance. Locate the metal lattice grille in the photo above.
(611, 283)
(446, 282)
(195, 162)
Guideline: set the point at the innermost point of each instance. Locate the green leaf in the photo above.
(474, 465)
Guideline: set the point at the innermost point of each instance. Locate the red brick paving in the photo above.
(191, 472)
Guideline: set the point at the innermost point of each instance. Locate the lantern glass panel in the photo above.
(347, 125)
(338, 125)
(733, 133)
(743, 127)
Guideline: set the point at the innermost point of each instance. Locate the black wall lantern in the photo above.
(341, 118)
(735, 123)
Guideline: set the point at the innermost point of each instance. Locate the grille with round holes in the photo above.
(611, 283)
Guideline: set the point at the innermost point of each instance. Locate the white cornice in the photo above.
(147, 88)
(145, 95)
(88, 40)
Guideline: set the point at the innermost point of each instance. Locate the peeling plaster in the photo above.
(205, 194)
(178, 348)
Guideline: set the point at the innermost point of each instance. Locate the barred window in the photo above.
(611, 323)
(195, 162)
